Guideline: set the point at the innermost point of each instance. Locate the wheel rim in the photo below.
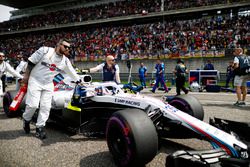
(118, 142)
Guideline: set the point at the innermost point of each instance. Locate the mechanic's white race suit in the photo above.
(6, 67)
(21, 69)
(40, 85)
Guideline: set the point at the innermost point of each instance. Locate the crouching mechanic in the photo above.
(110, 70)
(43, 65)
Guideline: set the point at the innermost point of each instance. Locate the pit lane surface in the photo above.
(63, 149)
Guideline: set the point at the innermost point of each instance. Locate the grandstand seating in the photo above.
(104, 11)
(147, 39)
(144, 40)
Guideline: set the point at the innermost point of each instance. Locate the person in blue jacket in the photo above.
(142, 74)
(159, 76)
(209, 65)
(163, 72)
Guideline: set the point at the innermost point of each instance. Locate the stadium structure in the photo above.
(141, 30)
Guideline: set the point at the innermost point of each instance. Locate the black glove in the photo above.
(79, 81)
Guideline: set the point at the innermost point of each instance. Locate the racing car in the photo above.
(134, 123)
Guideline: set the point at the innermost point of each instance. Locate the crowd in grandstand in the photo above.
(144, 39)
(138, 40)
(104, 11)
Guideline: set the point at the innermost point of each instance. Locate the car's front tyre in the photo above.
(188, 104)
(131, 137)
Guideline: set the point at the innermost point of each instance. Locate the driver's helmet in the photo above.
(195, 87)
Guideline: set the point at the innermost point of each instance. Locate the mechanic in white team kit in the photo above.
(5, 67)
(43, 65)
(23, 62)
(110, 70)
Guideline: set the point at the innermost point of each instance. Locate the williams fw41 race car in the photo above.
(134, 123)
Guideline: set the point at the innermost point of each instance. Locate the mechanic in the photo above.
(240, 62)
(159, 76)
(142, 74)
(43, 65)
(180, 73)
(110, 70)
(23, 62)
(5, 66)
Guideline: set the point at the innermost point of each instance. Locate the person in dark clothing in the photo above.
(230, 74)
(209, 65)
(180, 73)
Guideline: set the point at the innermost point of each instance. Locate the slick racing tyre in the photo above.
(131, 137)
(189, 105)
(7, 99)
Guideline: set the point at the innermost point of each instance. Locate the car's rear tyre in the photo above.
(7, 100)
(131, 137)
(189, 105)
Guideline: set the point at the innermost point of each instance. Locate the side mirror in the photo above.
(86, 78)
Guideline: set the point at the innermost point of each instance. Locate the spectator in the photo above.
(172, 38)
(102, 11)
(142, 74)
(110, 70)
(159, 76)
(240, 62)
(180, 72)
(230, 74)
